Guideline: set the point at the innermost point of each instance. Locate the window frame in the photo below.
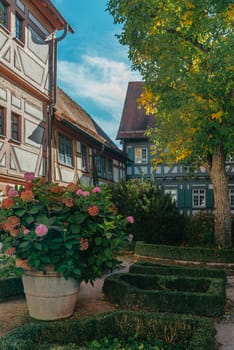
(65, 150)
(6, 22)
(199, 194)
(21, 37)
(110, 169)
(18, 127)
(231, 197)
(84, 158)
(139, 159)
(101, 166)
(173, 192)
(3, 123)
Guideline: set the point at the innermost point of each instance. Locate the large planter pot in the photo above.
(49, 296)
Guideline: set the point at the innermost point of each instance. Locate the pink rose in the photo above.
(12, 193)
(41, 230)
(96, 190)
(130, 219)
(29, 176)
(10, 251)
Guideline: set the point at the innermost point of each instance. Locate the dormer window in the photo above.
(4, 14)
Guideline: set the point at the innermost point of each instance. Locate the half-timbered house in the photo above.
(28, 46)
(191, 193)
(81, 151)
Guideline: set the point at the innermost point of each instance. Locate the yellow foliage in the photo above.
(230, 14)
(148, 101)
(217, 116)
(187, 18)
(189, 5)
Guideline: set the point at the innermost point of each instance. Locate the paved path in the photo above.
(225, 327)
(91, 301)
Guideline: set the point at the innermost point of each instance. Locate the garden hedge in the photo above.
(11, 287)
(159, 269)
(184, 295)
(200, 254)
(197, 333)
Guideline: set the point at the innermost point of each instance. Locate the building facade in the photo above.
(191, 193)
(82, 152)
(41, 129)
(27, 76)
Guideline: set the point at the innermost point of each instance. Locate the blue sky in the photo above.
(93, 68)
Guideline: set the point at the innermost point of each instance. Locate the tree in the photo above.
(184, 52)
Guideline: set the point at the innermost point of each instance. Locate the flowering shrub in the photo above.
(77, 231)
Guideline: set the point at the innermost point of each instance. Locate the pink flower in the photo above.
(96, 190)
(86, 193)
(29, 176)
(10, 251)
(79, 191)
(8, 187)
(12, 193)
(26, 231)
(130, 219)
(41, 230)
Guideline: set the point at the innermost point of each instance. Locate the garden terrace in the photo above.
(193, 332)
(185, 295)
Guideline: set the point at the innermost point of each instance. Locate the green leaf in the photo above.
(98, 240)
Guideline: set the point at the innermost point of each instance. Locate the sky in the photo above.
(93, 68)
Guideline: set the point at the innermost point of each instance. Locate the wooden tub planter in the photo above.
(184, 295)
(192, 333)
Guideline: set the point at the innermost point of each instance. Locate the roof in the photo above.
(69, 111)
(53, 16)
(134, 121)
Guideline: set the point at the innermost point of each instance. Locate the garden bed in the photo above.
(185, 295)
(160, 269)
(193, 333)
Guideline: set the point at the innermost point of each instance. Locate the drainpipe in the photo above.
(53, 86)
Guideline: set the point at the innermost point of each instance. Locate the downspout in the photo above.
(53, 86)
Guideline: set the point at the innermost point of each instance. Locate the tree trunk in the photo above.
(219, 180)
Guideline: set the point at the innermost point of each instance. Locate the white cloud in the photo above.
(99, 79)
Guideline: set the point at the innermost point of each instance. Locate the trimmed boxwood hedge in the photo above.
(160, 269)
(185, 253)
(197, 333)
(186, 295)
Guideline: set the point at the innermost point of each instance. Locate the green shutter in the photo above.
(209, 198)
(181, 198)
(130, 155)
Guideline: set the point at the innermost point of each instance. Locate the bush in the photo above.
(157, 219)
(199, 230)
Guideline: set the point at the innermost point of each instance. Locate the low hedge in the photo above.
(11, 287)
(186, 295)
(159, 269)
(185, 253)
(197, 333)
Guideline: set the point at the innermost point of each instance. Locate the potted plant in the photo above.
(67, 233)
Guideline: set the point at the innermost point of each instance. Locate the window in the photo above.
(2, 122)
(231, 197)
(65, 150)
(199, 198)
(141, 155)
(15, 127)
(4, 13)
(84, 158)
(173, 193)
(19, 28)
(110, 169)
(101, 166)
